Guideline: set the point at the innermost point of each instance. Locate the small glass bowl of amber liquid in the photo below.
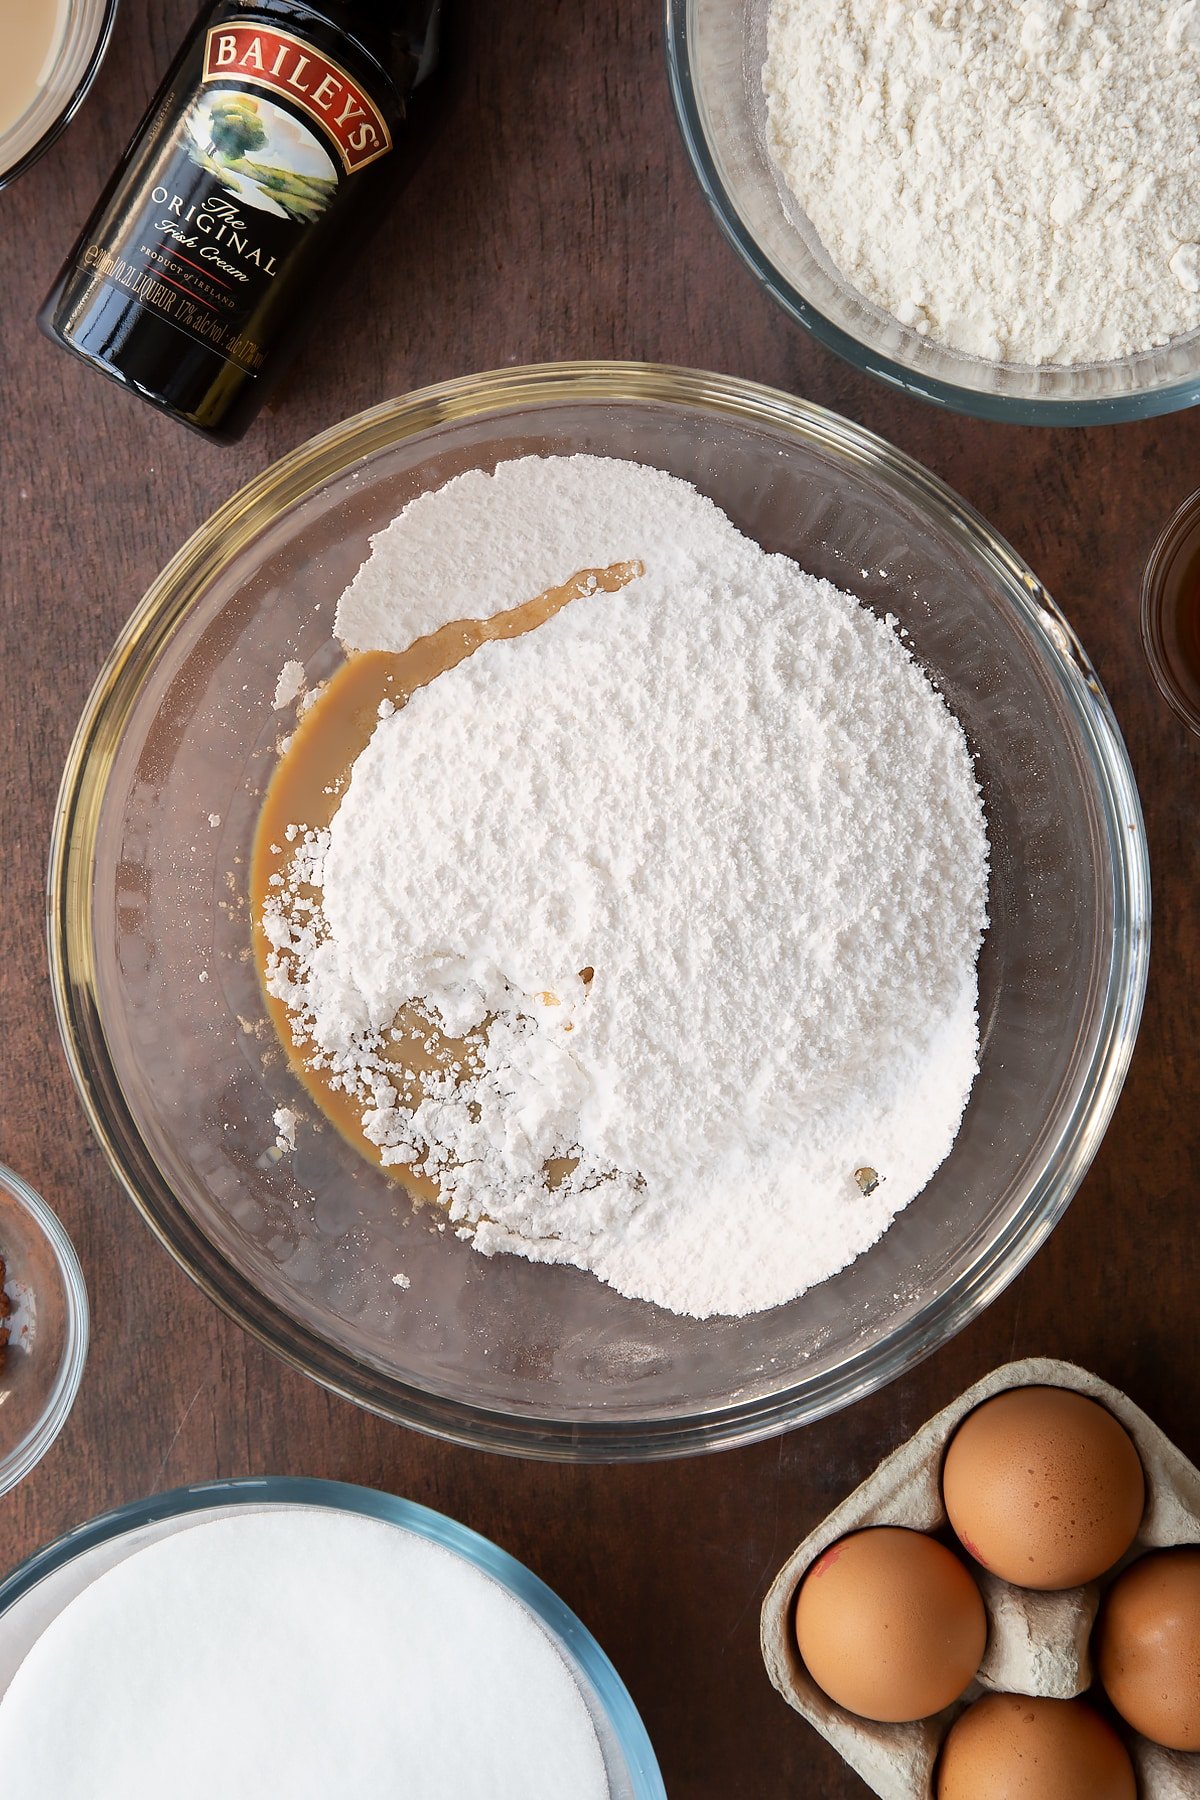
(1171, 612)
(43, 1328)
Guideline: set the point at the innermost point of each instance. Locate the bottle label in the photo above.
(232, 178)
(275, 59)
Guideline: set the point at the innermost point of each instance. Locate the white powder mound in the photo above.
(727, 792)
(285, 1121)
(1019, 179)
(484, 543)
(301, 1653)
(290, 685)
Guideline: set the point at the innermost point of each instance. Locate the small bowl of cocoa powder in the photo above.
(43, 1328)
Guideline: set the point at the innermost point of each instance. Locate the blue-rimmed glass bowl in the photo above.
(40, 1588)
(715, 54)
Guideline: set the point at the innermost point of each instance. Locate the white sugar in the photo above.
(297, 1652)
(708, 854)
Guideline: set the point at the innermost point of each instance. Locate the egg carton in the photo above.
(1038, 1643)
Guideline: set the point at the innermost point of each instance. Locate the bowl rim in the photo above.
(953, 396)
(562, 1625)
(72, 961)
(71, 102)
(29, 1451)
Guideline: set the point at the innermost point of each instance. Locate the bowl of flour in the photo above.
(992, 206)
(611, 914)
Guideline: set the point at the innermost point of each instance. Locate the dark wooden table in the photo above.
(556, 216)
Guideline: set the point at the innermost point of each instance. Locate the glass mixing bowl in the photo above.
(34, 1594)
(715, 54)
(178, 1065)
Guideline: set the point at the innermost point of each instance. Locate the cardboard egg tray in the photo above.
(1037, 1642)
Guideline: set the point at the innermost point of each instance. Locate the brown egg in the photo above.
(890, 1624)
(1043, 1487)
(1008, 1747)
(1149, 1647)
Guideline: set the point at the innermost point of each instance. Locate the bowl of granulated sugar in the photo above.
(990, 206)
(440, 1665)
(599, 910)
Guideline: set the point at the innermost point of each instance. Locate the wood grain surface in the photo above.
(555, 216)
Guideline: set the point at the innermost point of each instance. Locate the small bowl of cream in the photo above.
(52, 51)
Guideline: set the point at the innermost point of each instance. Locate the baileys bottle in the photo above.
(262, 163)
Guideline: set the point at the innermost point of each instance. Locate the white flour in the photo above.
(729, 792)
(1019, 179)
